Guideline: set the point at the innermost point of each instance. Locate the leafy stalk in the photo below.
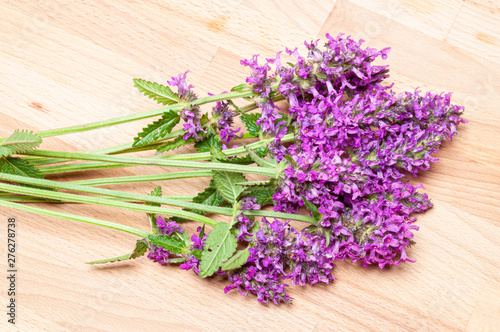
(143, 115)
(142, 178)
(136, 197)
(157, 162)
(105, 202)
(194, 156)
(74, 217)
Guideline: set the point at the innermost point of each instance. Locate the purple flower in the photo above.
(184, 91)
(223, 118)
(262, 273)
(159, 254)
(167, 227)
(190, 114)
(198, 243)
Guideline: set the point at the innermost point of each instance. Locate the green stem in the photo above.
(144, 198)
(143, 115)
(129, 147)
(119, 149)
(113, 193)
(73, 217)
(79, 167)
(157, 162)
(192, 156)
(272, 214)
(106, 202)
(142, 178)
(29, 199)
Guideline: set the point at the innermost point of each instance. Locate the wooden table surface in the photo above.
(65, 62)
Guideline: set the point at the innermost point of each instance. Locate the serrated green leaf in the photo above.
(226, 184)
(140, 249)
(264, 195)
(260, 161)
(261, 152)
(250, 121)
(18, 166)
(238, 259)
(205, 145)
(158, 129)
(313, 209)
(160, 93)
(157, 193)
(170, 243)
(220, 245)
(176, 143)
(209, 196)
(19, 142)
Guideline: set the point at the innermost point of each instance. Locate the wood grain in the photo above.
(65, 62)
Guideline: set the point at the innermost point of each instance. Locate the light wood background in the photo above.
(65, 62)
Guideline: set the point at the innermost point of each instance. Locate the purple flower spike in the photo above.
(183, 89)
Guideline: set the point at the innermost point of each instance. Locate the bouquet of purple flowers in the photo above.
(324, 131)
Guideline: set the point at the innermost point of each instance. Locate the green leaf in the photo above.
(157, 193)
(170, 243)
(160, 93)
(226, 184)
(262, 152)
(264, 195)
(197, 254)
(209, 196)
(240, 87)
(152, 216)
(140, 249)
(205, 145)
(158, 129)
(238, 259)
(260, 161)
(176, 143)
(19, 142)
(250, 121)
(220, 245)
(18, 166)
(313, 209)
